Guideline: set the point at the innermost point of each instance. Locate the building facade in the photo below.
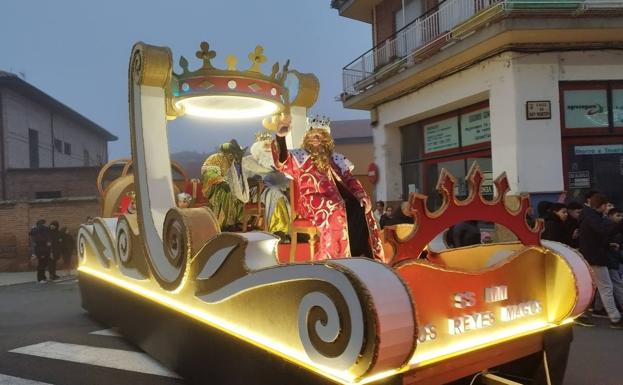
(46, 146)
(50, 157)
(533, 89)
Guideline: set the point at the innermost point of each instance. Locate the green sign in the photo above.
(586, 108)
(475, 127)
(441, 135)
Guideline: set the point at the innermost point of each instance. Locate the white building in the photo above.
(533, 89)
(46, 148)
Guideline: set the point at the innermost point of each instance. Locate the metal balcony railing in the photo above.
(451, 20)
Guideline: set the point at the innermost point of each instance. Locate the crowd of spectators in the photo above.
(594, 228)
(49, 245)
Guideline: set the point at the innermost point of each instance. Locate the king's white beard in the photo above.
(262, 156)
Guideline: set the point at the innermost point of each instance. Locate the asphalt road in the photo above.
(47, 338)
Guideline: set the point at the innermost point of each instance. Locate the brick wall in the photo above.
(71, 182)
(17, 218)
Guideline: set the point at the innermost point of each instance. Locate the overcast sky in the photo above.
(77, 51)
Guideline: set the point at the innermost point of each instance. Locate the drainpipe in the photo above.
(2, 165)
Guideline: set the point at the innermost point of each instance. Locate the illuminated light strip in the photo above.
(285, 352)
(229, 328)
(477, 343)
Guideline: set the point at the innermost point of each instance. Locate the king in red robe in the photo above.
(326, 187)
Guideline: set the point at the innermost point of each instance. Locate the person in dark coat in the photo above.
(542, 209)
(386, 217)
(465, 234)
(555, 229)
(403, 215)
(40, 248)
(55, 239)
(572, 224)
(595, 231)
(67, 248)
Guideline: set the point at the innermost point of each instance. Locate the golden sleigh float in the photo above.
(220, 308)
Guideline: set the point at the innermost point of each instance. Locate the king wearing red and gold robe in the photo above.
(325, 186)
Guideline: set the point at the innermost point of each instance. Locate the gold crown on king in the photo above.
(262, 136)
(318, 121)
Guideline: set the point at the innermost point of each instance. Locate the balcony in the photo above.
(452, 22)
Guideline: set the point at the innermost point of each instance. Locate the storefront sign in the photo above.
(441, 135)
(486, 188)
(604, 149)
(586, 108)
(475, 127)
(579, 179)
(536, 110)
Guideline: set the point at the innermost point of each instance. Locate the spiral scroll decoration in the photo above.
(331, 328)
(176, 239)
(82, 247)
(124, 241)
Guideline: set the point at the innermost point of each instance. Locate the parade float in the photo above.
(223, 308)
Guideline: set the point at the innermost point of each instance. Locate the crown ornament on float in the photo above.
(256, 93)
(319, 122)
(453, 211)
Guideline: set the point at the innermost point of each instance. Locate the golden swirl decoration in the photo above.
(185, 231)
(151, 65)
(176, 240)
(129, 248)
(329, 329)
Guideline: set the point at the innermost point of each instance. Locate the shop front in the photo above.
(452, 141)
(592, 138)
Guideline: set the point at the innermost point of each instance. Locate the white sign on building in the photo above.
(475, 127)
(586, 108)
(603, 149)
(441, 135)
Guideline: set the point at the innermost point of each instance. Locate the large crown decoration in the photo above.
(453, 211)
(320, 122)
(211, 81)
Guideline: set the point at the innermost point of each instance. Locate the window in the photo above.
(47, 194)
(67, 148)
(58, 145)
(453, 141)
(33, 148)
(85, 157)
(591, 114)
(413, 9)
(591, 107)
(586, 108)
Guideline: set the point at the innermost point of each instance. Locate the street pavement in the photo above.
(47, 338)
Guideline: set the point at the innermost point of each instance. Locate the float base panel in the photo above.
(198, 352)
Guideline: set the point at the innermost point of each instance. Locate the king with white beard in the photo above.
(276, 206)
